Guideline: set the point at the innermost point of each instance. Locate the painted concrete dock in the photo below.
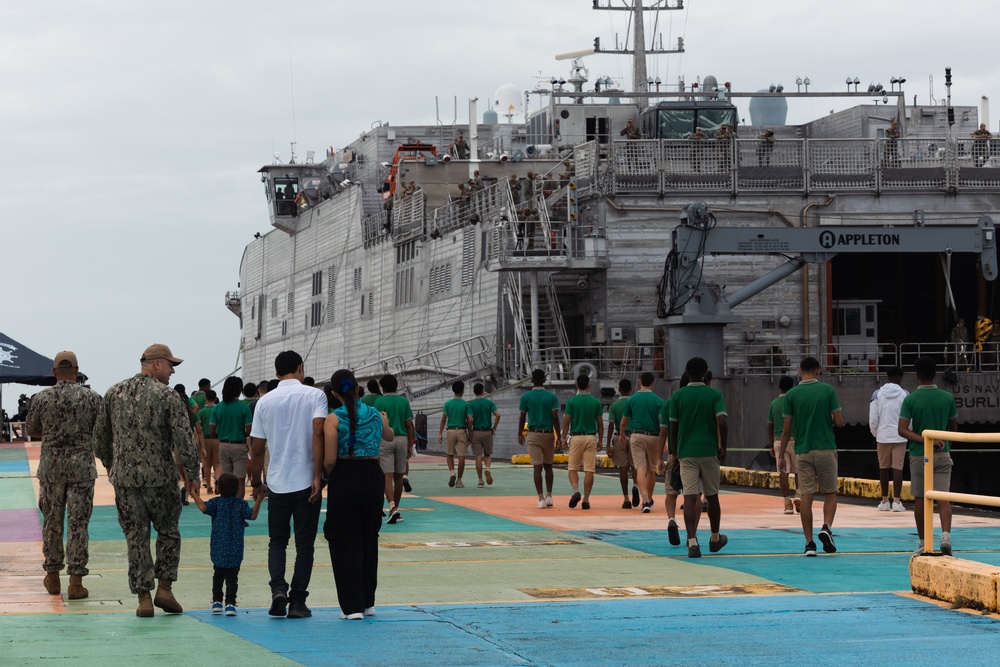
(482, 577)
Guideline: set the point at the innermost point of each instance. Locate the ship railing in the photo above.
(408, 216)
(961, 356)
(765, 359)
(799, 165)
(586, 159)
(390, 365)
(464, 359)
(517, 358)
(614, 360)
(375, 229)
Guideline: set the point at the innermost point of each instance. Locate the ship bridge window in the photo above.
(285, 191)
(681, 123)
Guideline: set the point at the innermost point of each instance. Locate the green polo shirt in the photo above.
(482, 410)
(205, 419)
(396, 408)
(584, 411)
(643, 411)
(929, 407)
(539, 404)
(811, 405)
(696, 408)
(615, 413)
(668, 407)
(776, 416)
(198, 398)
(370, 398)
(231, 420)
(457, 410)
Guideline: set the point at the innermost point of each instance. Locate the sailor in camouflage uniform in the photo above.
(63, 416)
(142, 428)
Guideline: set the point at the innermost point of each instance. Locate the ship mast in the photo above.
(640, 80)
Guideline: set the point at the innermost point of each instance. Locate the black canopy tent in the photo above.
(22, 365)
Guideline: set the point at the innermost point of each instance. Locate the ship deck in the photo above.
(482, 577)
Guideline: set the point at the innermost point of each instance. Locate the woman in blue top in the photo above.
(352, 434)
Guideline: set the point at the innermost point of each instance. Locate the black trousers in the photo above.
(353, 520)
(282, 510)
(229, 575)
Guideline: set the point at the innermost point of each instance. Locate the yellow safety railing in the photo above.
(930, 494)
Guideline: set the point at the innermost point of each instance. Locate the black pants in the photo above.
(353, 520)
(231, 576)
(282, 510)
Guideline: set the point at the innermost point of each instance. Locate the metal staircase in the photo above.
(552, 351)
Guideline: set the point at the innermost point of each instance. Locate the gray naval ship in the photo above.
(574, 243)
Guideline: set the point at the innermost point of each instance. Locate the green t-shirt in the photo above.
(198, 398)
(929, 407)
(615, 413)
(584, 412)
(396, 408)
(204, 418)
(539, 404)
(370, 398)
(695, 409)
(231, 420)
(811, 405)
(643, 411)
(665, 412)
(457, 410)
(482, 410)
(776, 416)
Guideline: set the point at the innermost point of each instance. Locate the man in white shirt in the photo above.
(883, 421)
(289, 422)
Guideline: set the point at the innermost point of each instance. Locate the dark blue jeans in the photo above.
(283, 509)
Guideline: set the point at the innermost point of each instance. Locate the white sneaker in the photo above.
(884, 506)
(548, 501)
(945, 545)
(898, 506)
(370, 611)
(541, 504)
(919, 551)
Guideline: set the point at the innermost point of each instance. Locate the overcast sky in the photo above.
(131, 132)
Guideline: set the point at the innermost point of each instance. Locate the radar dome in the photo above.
(508, 101)
(710, 84)
(768, 110)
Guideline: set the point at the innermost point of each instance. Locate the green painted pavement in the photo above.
(18, 494)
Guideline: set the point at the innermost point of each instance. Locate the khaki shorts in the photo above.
(789, 454)
(942, 473)
(668, 478)
(541, 448)
(233, 458)
(704, 469)
(211, 452)
(392, 455)
(622, 456)
(646, 452)
(482, 443)
(891, 455)
(816, 472)
(583, 448)
(456, 442)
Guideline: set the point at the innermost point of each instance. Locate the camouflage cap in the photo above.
(65, 359)
(159, 351)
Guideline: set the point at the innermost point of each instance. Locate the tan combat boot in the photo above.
(165, 599)
(76, 591)
(51, 583)
(145, 609)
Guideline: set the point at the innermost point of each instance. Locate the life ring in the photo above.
(585, 368)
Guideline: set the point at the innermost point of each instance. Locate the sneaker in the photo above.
(673, 534)
(585, 505)
(541, 504)
(884, 506)
(230, 610)
(394, 516)
(717, 545)
(919, 551)
(406, 485)
(946, 546)
(626, 504)
(826, 537)
(298, 609)
(645, 508)
(898, 506)
(574, 500)
(694, 550)
(651, 503)
(481, 484)
(810, 549)
(451, 480)
(356, 616)
(370, 611)
(635, 496)
(216, 607)
(489, 476)
(788, 506)
(548, 501)
(278, 602)
(798, 504)
(458, 484)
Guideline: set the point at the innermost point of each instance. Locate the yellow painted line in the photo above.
(488, 543)
(725, 590)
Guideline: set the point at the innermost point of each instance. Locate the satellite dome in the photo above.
(768, 110)
(508, 100)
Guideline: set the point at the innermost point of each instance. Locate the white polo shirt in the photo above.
(284, 417)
